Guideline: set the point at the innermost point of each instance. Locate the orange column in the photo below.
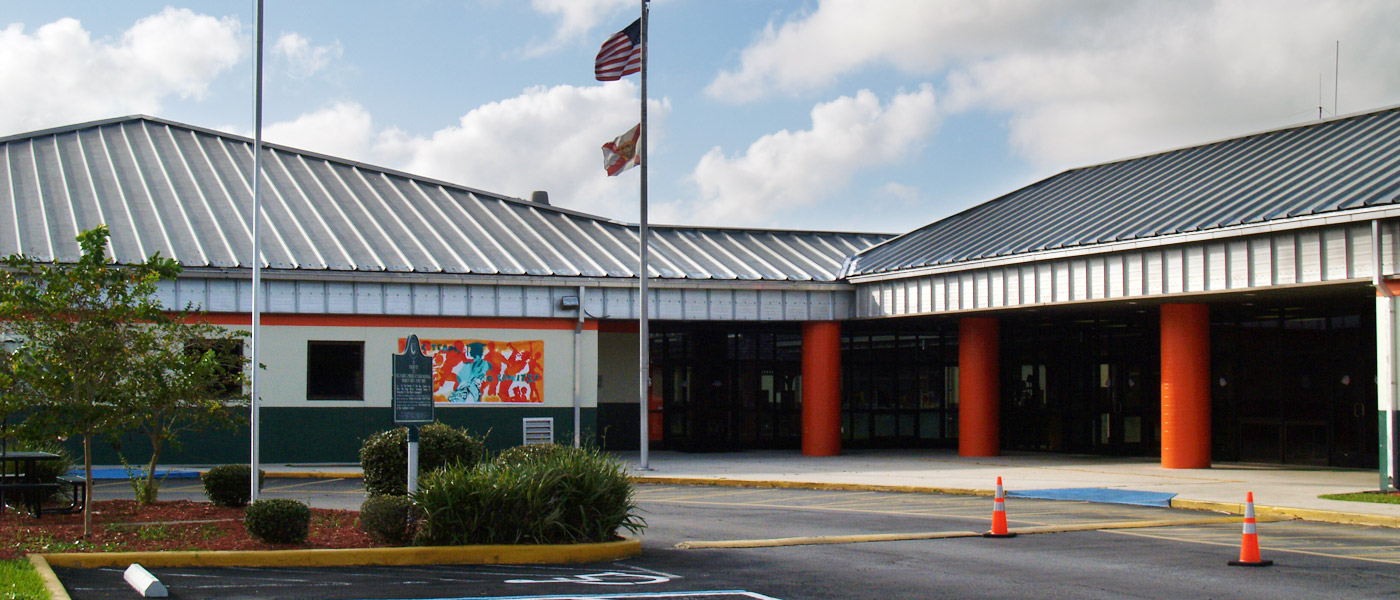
(979, 387)
(1185, 386)
(821, 388)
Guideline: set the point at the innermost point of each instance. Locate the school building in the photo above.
(1231, 301)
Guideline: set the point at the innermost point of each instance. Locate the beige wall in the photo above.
(283, 383)
(617, 368)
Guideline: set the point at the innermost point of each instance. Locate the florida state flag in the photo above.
(621, 153)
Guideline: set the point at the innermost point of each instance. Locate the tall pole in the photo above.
(257, 245)
(644, 377)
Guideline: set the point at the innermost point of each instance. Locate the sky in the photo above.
(833, 115)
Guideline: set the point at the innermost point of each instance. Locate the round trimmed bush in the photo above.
(280, 521)
(391, 519)
(228, 485)
(384, 456)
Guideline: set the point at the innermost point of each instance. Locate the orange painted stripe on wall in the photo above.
(289, 320)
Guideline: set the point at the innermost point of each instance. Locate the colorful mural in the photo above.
(480, 371)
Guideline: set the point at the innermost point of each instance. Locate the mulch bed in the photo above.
(120, 526)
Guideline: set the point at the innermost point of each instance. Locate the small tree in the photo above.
(188, 376)
(79, 327)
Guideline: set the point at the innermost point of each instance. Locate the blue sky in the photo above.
(853, 115)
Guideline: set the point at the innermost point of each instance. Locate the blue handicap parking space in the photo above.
(1109, 495)
(118, 473)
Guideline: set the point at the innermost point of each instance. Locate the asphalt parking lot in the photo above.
(1086, 550)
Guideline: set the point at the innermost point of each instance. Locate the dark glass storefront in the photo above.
(1292, 383)
(1295, 383)
(1085, 384)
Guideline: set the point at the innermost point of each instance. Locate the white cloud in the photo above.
(813, 49)
(544, 139)
(577, 17)
(60, 75)
(785, 171)
(1090, 81)
(304, 60)
(343, 129)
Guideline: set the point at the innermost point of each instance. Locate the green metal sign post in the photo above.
(412, 392)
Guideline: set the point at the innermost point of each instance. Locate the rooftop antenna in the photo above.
(1337, 77)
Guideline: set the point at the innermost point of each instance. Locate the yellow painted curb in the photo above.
(312, 475)
(826, 539)
(806, 485)
(518, 554)
(51, 582)
(943, 535)
(1281, 513)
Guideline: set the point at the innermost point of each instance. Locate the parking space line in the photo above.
(1270, 547)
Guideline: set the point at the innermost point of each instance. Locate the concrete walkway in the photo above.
(1222, 487)
(1224, 484)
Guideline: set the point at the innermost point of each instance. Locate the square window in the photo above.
(229, 354)
(335, 370)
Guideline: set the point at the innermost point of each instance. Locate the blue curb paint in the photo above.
(1105, 495)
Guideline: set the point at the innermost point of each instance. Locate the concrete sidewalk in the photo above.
(1292, 489)
(1222, 487)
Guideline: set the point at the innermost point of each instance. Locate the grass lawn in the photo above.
(19, 581)
(1381, 497)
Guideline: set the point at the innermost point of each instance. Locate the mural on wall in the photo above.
(480, 371)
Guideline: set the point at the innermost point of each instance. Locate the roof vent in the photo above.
(540, 197)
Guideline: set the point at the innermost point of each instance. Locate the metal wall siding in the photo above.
(369, 299)
(1332, 253)
(340, 298)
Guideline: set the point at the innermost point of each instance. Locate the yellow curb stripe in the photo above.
(941, 535)
(520, 554)
(51, 582)
(1281, 513)
(314, 475)
(806, 485)
(826, 539)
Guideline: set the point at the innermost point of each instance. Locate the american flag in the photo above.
(621, 55)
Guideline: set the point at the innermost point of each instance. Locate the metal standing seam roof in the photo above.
(186, 192)
(1327, 166)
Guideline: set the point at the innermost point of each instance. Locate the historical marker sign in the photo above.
(413, 384)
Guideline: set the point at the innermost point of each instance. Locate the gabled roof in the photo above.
(1326, 166)
(186, 192)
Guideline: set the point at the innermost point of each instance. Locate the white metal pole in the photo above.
(578, 370)
(254, 416)
(644, 339)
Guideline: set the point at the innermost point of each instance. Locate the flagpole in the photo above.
(644, 338)
(257, 259)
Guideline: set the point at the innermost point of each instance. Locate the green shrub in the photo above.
(517, 456)
(391, 519)
(279, 521)
(384, 456)
(558, 496)
(228, 485)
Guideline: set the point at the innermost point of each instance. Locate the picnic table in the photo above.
(25, 486)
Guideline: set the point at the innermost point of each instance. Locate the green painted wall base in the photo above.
(333, 435)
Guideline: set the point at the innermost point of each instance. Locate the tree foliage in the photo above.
(92, 352)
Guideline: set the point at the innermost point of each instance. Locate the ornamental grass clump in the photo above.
(560, 496)
(384, 455)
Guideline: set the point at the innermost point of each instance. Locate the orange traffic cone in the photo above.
(999, 515)
(1249, 544)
